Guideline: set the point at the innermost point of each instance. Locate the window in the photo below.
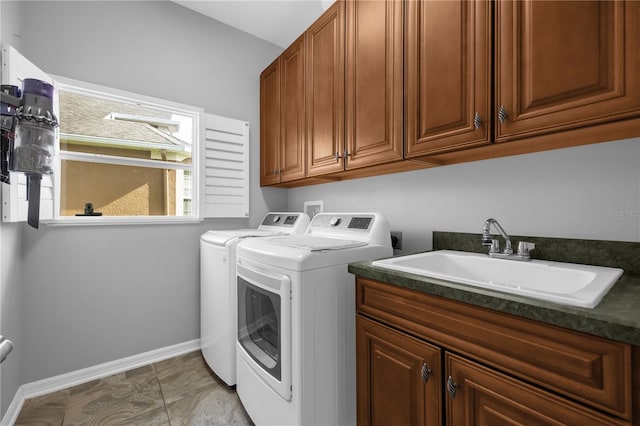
(123, 156)
(135, 159)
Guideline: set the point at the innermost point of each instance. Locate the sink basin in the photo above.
(558, 282)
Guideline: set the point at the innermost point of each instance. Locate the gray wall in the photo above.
(88, 295)
(97, 295)
(11, 20)
(11, 310)
(590, 192)
(11, 290)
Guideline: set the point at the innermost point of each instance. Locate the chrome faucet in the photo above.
(524, 247)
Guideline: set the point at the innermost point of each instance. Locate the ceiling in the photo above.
(277, 21)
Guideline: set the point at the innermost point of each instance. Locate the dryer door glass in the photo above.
(259, 326)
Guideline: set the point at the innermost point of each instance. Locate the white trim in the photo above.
(120, 220)
(73, 378)
(86, 88)
(123, 161)
(122, 143)
(13, 411)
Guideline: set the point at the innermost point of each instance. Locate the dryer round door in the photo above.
(264, 325)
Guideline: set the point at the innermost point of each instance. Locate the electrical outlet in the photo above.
(396, 240)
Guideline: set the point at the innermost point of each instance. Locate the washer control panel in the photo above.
(286, 220)
(360, 222)
(345, 222)
(369, 227)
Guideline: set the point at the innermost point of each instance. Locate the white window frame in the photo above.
(76, 86)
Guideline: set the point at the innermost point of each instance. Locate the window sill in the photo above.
(122, 220)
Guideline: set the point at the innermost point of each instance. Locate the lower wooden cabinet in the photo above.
(426, 360)
(477, 395)
(399, 378)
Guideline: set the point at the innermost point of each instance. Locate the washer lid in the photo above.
(316, 243)
(222, 236)
(304, 253)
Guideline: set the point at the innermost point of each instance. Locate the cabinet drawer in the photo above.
(586, 368)
(492, 398)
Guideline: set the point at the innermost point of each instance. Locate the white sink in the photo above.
(564, 283)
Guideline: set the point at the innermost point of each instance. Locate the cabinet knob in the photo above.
(338, 156)
(477, 121)
(275, 172)
(426, 373)
(452, 387)
(502, 114)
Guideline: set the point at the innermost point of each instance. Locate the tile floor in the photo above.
(177, 391)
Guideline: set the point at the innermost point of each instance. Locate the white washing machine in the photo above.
(296, 319)
(218, 287)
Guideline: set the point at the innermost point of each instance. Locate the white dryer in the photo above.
(218, 287)
(296, 319)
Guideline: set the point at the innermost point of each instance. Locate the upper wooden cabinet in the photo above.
(292, 148)
(355, 122)
(282, 124)
(374, 86)
(559, 65)
(270, 124)
(440, 82)
(325, 92)
(448, 75)
(565, 64)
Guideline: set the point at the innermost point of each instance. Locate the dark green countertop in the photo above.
(616, 317)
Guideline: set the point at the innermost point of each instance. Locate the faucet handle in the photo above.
(524, 247)
(508, 249)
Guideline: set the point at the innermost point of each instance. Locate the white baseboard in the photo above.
(73, 378)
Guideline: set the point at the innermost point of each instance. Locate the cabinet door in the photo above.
(398, 377)
(292, 149)
(565, 64)
(448, 75)
(374, 32)
(477, 395)
(270, 124)
(325, 92)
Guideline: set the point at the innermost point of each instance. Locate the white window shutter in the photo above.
(15, 68)
(224, 181)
